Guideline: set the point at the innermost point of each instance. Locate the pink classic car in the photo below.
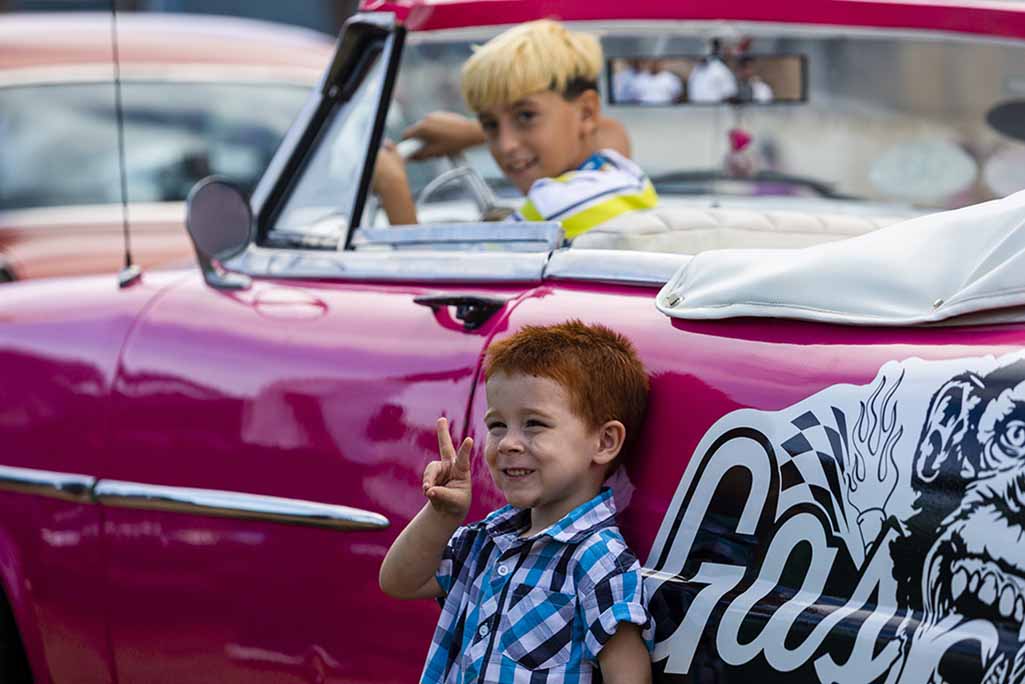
(201, 471)
(201, 95)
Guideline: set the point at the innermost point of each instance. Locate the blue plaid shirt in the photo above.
(534, 609)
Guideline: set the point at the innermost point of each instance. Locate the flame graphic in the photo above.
(874, 440)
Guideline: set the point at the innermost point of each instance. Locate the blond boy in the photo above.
(534, 91)
(543, 589)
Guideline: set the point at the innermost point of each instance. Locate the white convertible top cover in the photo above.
(922, 270)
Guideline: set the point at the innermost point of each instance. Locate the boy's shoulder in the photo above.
(601, 555)
(606, 175)
(604, 169)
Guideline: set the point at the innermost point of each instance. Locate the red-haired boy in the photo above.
(543, 589)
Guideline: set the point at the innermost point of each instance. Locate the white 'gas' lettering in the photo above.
(862, 666)
(680, 646)
(740, 452)
(802, 528)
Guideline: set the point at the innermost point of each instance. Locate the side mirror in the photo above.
(219, 222)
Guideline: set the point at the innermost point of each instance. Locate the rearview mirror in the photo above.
(219, 222)
(715, 78)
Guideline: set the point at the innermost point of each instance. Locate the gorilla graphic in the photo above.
(960, 567)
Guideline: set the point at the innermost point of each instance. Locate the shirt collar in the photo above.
(581, 520)
(594, 162)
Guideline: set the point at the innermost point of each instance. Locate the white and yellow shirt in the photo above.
(606, 185)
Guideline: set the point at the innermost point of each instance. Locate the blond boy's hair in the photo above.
(527, 59)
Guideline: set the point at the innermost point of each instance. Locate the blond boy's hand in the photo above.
(447, 482)
(444, 133)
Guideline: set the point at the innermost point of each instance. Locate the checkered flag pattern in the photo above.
(811, 467)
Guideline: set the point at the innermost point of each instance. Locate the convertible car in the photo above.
(201, 470)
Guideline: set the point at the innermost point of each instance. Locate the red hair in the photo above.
(597, 366)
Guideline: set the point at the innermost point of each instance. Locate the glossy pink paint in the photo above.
(52, 568)
(321, 392)
(328, 392)
(987, 19)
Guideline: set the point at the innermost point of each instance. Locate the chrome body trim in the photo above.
(526, 236)
(64, 486)
(235, 505)
(439, 265)
(391, 266)
(614, 266)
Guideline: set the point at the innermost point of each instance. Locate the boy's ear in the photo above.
(611, 436)
(589, 109)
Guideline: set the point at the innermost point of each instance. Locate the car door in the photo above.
(323, 396)
(268, 442)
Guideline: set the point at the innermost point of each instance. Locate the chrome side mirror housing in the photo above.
(219, 222)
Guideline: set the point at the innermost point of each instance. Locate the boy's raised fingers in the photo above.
(463, 456)
(445, 448)
(432, 474)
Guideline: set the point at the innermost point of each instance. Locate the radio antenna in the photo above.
(130, 273)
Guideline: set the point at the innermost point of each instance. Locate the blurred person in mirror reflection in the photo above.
(534, 89)
(544, 589)
(654, 84)
(627, 71)
(711, 80)
(750, 86)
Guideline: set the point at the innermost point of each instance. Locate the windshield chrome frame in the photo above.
(362, 34)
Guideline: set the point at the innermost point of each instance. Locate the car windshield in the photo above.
(60, 141)
(896, 120)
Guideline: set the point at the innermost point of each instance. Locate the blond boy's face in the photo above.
(541, 455)
(541, 136)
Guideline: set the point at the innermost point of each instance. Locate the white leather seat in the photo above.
(692, 230)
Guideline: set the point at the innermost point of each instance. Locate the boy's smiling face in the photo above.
(542, 455)
(542, 135)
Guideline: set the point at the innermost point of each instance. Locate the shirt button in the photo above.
(483, 630)
(503, 570)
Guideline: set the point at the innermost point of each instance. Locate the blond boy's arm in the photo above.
(391, 185)
(446, 133)
(409, 567)
(624, 659)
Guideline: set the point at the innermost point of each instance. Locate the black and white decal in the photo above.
(869, 533)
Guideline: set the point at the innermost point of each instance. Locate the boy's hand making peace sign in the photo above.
(447, 482)
(409, 567)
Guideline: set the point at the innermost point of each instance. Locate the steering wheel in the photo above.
(460, 171)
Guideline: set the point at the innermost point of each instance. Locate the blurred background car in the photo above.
(201, 95)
